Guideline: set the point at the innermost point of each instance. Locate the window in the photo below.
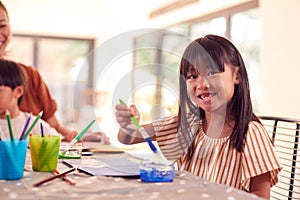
(155, 73)
(241, 24)
(245, 33)
(62, 64)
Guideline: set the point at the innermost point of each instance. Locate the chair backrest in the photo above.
(285, 135)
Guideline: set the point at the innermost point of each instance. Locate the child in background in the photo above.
(12, 88)
(215, 134)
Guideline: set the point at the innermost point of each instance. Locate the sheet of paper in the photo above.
(114, 166)
(100, 148)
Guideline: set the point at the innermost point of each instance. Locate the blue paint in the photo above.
(152, 172)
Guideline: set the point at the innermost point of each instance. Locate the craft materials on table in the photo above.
(65, 154)
(53, 177)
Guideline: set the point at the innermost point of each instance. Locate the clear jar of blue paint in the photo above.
(156, 172)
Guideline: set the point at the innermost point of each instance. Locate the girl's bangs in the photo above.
(203, 61)
(207, 54)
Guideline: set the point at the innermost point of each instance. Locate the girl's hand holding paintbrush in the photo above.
(142, 133)
(126, 116)
(123, 114)
(123, 117)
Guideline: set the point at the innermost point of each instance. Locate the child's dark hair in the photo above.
(11, 75)
(214, 51)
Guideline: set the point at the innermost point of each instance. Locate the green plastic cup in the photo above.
(44, 152)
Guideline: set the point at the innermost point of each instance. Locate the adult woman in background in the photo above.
(37, 97)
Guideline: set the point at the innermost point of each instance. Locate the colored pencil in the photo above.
(9, 125)
(65, 177)
(53, 177)
(42, 130)
(25, 127)
(33, 124)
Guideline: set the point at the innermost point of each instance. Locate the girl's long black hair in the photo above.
(215, 51)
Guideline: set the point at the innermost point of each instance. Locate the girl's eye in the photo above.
(212, 73)
(191, 76)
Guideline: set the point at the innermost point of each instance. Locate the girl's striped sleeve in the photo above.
(259, 156)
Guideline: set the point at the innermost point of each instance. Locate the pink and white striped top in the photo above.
(215, 160)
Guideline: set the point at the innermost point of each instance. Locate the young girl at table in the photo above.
(215, 134)
(13, 82)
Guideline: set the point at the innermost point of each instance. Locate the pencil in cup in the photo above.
(25, 127)
(9, 125)
(32, 125)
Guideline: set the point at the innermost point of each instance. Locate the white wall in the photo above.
(280, 66)
(87, 18)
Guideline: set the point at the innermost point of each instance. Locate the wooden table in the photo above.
(185, 186)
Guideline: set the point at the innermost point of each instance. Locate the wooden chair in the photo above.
(285, 135)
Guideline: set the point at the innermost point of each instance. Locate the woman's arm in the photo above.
(37, 97)
(68, 134)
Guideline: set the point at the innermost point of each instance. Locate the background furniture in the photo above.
(285, 135)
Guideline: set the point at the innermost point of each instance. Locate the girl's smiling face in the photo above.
(211, 89)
